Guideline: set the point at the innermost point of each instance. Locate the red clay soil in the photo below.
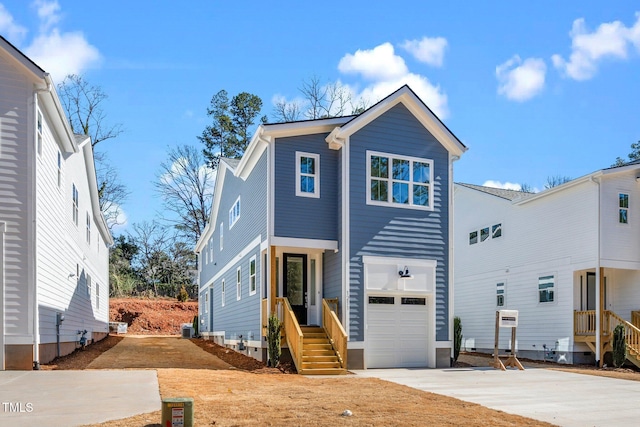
(152, 316)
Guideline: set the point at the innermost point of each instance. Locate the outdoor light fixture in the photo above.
(405, 274)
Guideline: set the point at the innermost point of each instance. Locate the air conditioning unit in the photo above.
(187, 331)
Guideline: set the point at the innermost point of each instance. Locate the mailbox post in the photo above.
(506, 319)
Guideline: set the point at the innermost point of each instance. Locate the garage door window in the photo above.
(381, 300)
(414, 301)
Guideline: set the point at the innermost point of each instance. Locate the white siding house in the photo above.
(53, 238)
(567, 258)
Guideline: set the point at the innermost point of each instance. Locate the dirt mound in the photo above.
(152, 316)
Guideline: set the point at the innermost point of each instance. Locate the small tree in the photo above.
(183, 295)
(273, 340)
(457, 337)
(196, 325)
(619, 346)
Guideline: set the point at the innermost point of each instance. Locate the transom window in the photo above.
(546, 289)
(623, 211)
(234, 213)
(500, 294)
(307, 174)
(399, 181)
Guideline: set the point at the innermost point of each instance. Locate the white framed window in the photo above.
(222, 289)
(74, 198)
(473, 237)
(546, 289)
(211, 249)
(484, 234)
(496, 231)
(206, 302)
(97, 296)
(88, 285)
(307, 174)
(59, 169)
(500, 294)
(88, 228)
(39, 133)
(252, 276)
(239, 283)
(206, 256)
(399, 181)
(234, 213)
(623, 208)
(221, 235)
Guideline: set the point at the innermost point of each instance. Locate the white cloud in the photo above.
(428, 50)
(521, 81)
(378, 63)
(48, 13)
(504, 186)
(12, 31)
(588, 49)
(388, 73)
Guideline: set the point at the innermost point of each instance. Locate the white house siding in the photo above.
(553, 235)
(63, 249)
(15, 112)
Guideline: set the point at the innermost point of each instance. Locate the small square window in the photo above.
(473, 237)
(484, 234)
(496, 231)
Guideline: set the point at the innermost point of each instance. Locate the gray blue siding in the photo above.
(397, 232)
(305, 217)
(243, 316)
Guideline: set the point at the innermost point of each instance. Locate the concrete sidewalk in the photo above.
(560, 398)
(71, 398)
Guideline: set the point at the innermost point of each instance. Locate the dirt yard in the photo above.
(152, 316)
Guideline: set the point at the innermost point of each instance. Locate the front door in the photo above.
(591, 291)
(295, 284)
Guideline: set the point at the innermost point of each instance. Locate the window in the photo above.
(74, 196)
(399, 181)
(206, 256)
(239, 283)
(211, 249)
(221, 235)
(39, 133)
(252, 275)
(623, 212)
(546, 286)
(88, 285)
(307, 174)
(88, 228)
(206, 302)
(496, 231)
(484, 234)
(59, 169)
(222, 292)
(413, 301)
(381, 300)
(234, 213)
(473, 237)
(97, 296)
(500, 294)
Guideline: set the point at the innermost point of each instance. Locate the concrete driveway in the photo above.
(560, 398)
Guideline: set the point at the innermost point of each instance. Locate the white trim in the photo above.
(255, 242)
(390, 180)
(239, 283)
(304, 243)
(444, 344)
(346, 223)
(371, 259)
(264, 245)
(315, 175)
(232, 217)
(355, 345)
(247, 343)
(255, 275)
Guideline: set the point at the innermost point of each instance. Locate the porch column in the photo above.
(600, 315)
(272, 291)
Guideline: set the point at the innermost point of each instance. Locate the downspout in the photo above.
(452, 158)
(599, 360)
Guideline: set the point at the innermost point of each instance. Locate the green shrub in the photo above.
(196, 324)
(619, 346)
(457, 337)
(183, 295)
(273, 340)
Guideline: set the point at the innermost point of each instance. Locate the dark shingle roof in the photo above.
(499, 192)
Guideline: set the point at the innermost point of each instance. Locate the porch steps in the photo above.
(318, 355)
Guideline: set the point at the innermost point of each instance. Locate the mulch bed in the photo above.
(241, 361)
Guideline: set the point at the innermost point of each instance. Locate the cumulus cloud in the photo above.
(378, 63)
(13, 31)
(48, 13)
(428, 50)
(504, 186)
(521, 80)
(388, 72)
(588, 49)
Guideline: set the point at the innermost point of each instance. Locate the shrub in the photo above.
(619, 346)
(183, 295)
(457, 337)
(273, 340)
(196, 324)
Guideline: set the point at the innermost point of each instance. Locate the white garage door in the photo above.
(396, 332)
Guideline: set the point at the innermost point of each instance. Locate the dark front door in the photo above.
(295, 284)
(591, 291)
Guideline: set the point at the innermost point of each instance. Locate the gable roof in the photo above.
(415, 105)
(498, 192)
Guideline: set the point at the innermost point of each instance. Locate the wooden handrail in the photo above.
(292, 331)
(635, 318)
(265, 316)
(584, 322)
(632, 333)
(335, 331)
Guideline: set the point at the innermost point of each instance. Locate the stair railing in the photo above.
(631, 333)
(292, 331)
(335, 332)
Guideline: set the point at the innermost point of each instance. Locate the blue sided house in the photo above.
(342, 228)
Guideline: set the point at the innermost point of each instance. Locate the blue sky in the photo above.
(533, 89)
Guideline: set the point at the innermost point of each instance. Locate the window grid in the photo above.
(399, 181)
(234, 213)
(623, 211)
(252, 275)
(546, 289)
(307, 174)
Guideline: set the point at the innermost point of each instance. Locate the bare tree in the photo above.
(185, 183)
(152, 241)
(285, 111)
(556, 180)
(111, 192)
(83, 103)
